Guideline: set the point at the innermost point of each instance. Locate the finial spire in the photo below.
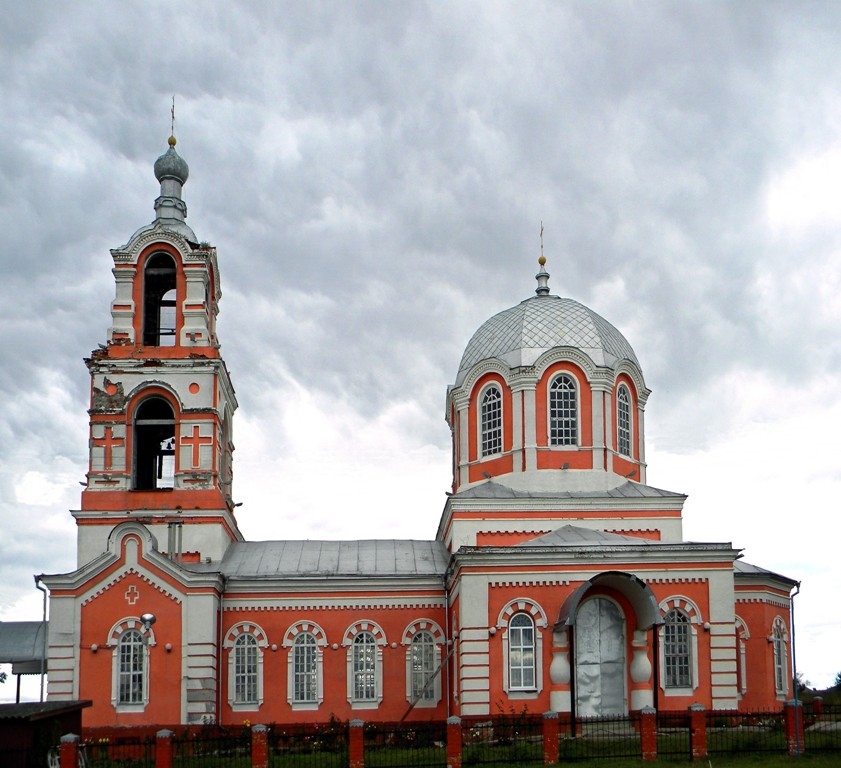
(542, 276)
(172, 124)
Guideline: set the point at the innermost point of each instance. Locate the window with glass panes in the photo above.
(423, 666)
(132, 667)
(623, 421)
(779, 659)
(364, 667)
(245, 669)
(677, 653)
(563, 411)
(491, 421)
(521, 672)
(305, 668)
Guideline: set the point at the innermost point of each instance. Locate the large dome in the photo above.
(520, 335)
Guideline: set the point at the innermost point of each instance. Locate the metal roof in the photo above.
(519, 335)
(371, 557)
(628, 490)
(21, 641)
(576, 536)
(39, 710)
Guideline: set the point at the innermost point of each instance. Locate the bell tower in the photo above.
(161, 399)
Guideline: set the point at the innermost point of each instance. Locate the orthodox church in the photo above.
(557, 579)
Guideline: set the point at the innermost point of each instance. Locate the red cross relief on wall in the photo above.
(108, 442)
(196, 443)
(132, 595)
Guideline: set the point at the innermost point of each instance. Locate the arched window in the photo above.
(246, 643)
(245, 670)
(423, 667)
(677, 650)
(778, 640)
(563, 411)
(131, 669)
(154, 445)
(521, 656)
(364, 667)
(491, 421)
(159, 301)
(305, 669)
(623, 420)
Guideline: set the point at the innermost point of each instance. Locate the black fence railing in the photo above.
(754, 732)
(320, 745)
(822, 732)
(125, 752)
(220, 750)
(599, 737)
(405, 745)
(513, 740)
(673, 734)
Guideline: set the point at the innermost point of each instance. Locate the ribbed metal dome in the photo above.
(521, 334)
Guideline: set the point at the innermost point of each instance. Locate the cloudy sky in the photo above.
(374, 176)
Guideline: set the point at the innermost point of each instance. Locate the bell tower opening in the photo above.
(154, 446)
(159, 301)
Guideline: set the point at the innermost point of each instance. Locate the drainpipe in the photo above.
(43, 589)
(219, 652)
(794, 669)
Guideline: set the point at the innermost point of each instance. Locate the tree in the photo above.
(837, 680)
(3, 677)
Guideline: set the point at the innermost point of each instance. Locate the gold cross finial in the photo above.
(542, 259)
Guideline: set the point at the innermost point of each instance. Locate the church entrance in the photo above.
(600, 659)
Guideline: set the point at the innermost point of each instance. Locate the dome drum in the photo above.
(570, 399)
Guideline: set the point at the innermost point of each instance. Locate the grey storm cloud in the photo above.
(374, 176)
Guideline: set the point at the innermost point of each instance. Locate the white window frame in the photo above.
(538, 618)
(436, 635)
(375, 632)
(576, 418)
(690, 610)
(291, 643)
(779, 642)
(230, 645)
(742, 636)
(116, 636)
(491, 438)
(624, 432)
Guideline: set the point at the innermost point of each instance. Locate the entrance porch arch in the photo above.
(590, 672)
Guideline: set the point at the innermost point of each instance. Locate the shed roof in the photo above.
(21, 641)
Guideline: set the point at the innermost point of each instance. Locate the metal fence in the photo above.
(405, 745)
(220, 750)
(514, 740)
(591, 738)
(822, 732)
(124, 752)
(673, 734)
(321, 745)
(753, 732)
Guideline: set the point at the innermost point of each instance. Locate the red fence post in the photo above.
(356, 744)
(551, 729)
(259, 746)
(698, 732)
(163, 748)
(648, 733)
(817, 707)
(794, 727)
(454, 742)
(68, 751)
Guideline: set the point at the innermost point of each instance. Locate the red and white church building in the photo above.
(557, 579)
